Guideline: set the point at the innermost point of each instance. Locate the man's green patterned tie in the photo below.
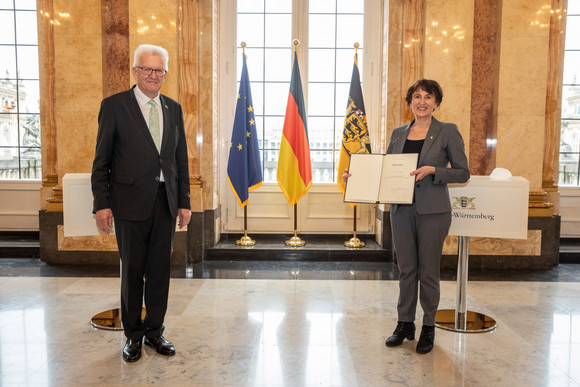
(154, 124)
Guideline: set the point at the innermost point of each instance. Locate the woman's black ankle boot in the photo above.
(426, 340)
(404, 330)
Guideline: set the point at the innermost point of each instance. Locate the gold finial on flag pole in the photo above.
(296, 43)
(356, 46)
(243, 44)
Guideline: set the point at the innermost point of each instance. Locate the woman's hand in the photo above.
(346, 175)
(423, 172)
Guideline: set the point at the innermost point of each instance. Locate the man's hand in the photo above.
(104, 220)
(184, 217)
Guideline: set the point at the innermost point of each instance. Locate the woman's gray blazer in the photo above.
(443, 147)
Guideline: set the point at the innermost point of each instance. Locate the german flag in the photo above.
(294, 171)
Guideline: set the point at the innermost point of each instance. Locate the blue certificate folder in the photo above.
(378, 178)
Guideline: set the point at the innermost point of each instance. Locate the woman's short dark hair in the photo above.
(430, 86)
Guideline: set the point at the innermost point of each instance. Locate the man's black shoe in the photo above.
(161, 345)
(132, 350)
(404, 330)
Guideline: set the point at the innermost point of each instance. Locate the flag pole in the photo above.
(245, 240)
(354, 241)
(295, 241)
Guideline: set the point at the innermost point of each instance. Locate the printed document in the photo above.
(380, 178)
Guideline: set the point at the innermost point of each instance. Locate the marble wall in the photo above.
(447, 58)
(500, 66)
(78, 46)
(522, 88)
(423, 38)
(155, 22)
(446, 51)
(78, 82)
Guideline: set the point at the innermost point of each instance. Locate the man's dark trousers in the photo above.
(145, 249)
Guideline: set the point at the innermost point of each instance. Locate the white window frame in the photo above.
(19, 114)
(322, 210)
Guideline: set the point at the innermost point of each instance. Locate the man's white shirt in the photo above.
(144, 105)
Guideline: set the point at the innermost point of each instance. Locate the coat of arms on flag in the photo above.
(355, 135)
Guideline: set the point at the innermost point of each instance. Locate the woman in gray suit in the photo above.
(419, 229)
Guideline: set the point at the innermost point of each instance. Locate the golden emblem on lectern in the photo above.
(463, 203)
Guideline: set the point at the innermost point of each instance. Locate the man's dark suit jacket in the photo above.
(126, 167)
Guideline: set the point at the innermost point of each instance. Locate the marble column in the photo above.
(393, 104)
(116, 54)
(554, 102)
(208, 103)
(48, 195)
(188, 91)
(413, 47)
(197, 46)
(485, 78)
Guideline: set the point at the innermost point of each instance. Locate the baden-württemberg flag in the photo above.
(294, 171)
(244, 167)
(355, 136)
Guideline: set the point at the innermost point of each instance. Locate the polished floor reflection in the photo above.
(263, 332)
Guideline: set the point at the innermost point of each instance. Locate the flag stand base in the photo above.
(295, 241)
(354, 242)
(111, 319)
(245, 240)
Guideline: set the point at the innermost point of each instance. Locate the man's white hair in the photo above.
(153, 50)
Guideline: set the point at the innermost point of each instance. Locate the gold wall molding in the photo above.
(48, 183)
(196, 192)
(196, 181)
(538, 206)
(54, 202)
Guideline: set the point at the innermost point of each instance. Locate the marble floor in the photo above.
(288, 332)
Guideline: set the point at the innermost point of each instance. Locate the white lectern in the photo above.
(482, 207)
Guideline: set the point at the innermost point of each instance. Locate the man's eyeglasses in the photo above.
(148, 71)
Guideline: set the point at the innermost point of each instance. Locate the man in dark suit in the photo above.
(140, 181)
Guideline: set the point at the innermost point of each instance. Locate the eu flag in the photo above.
(244, 166)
